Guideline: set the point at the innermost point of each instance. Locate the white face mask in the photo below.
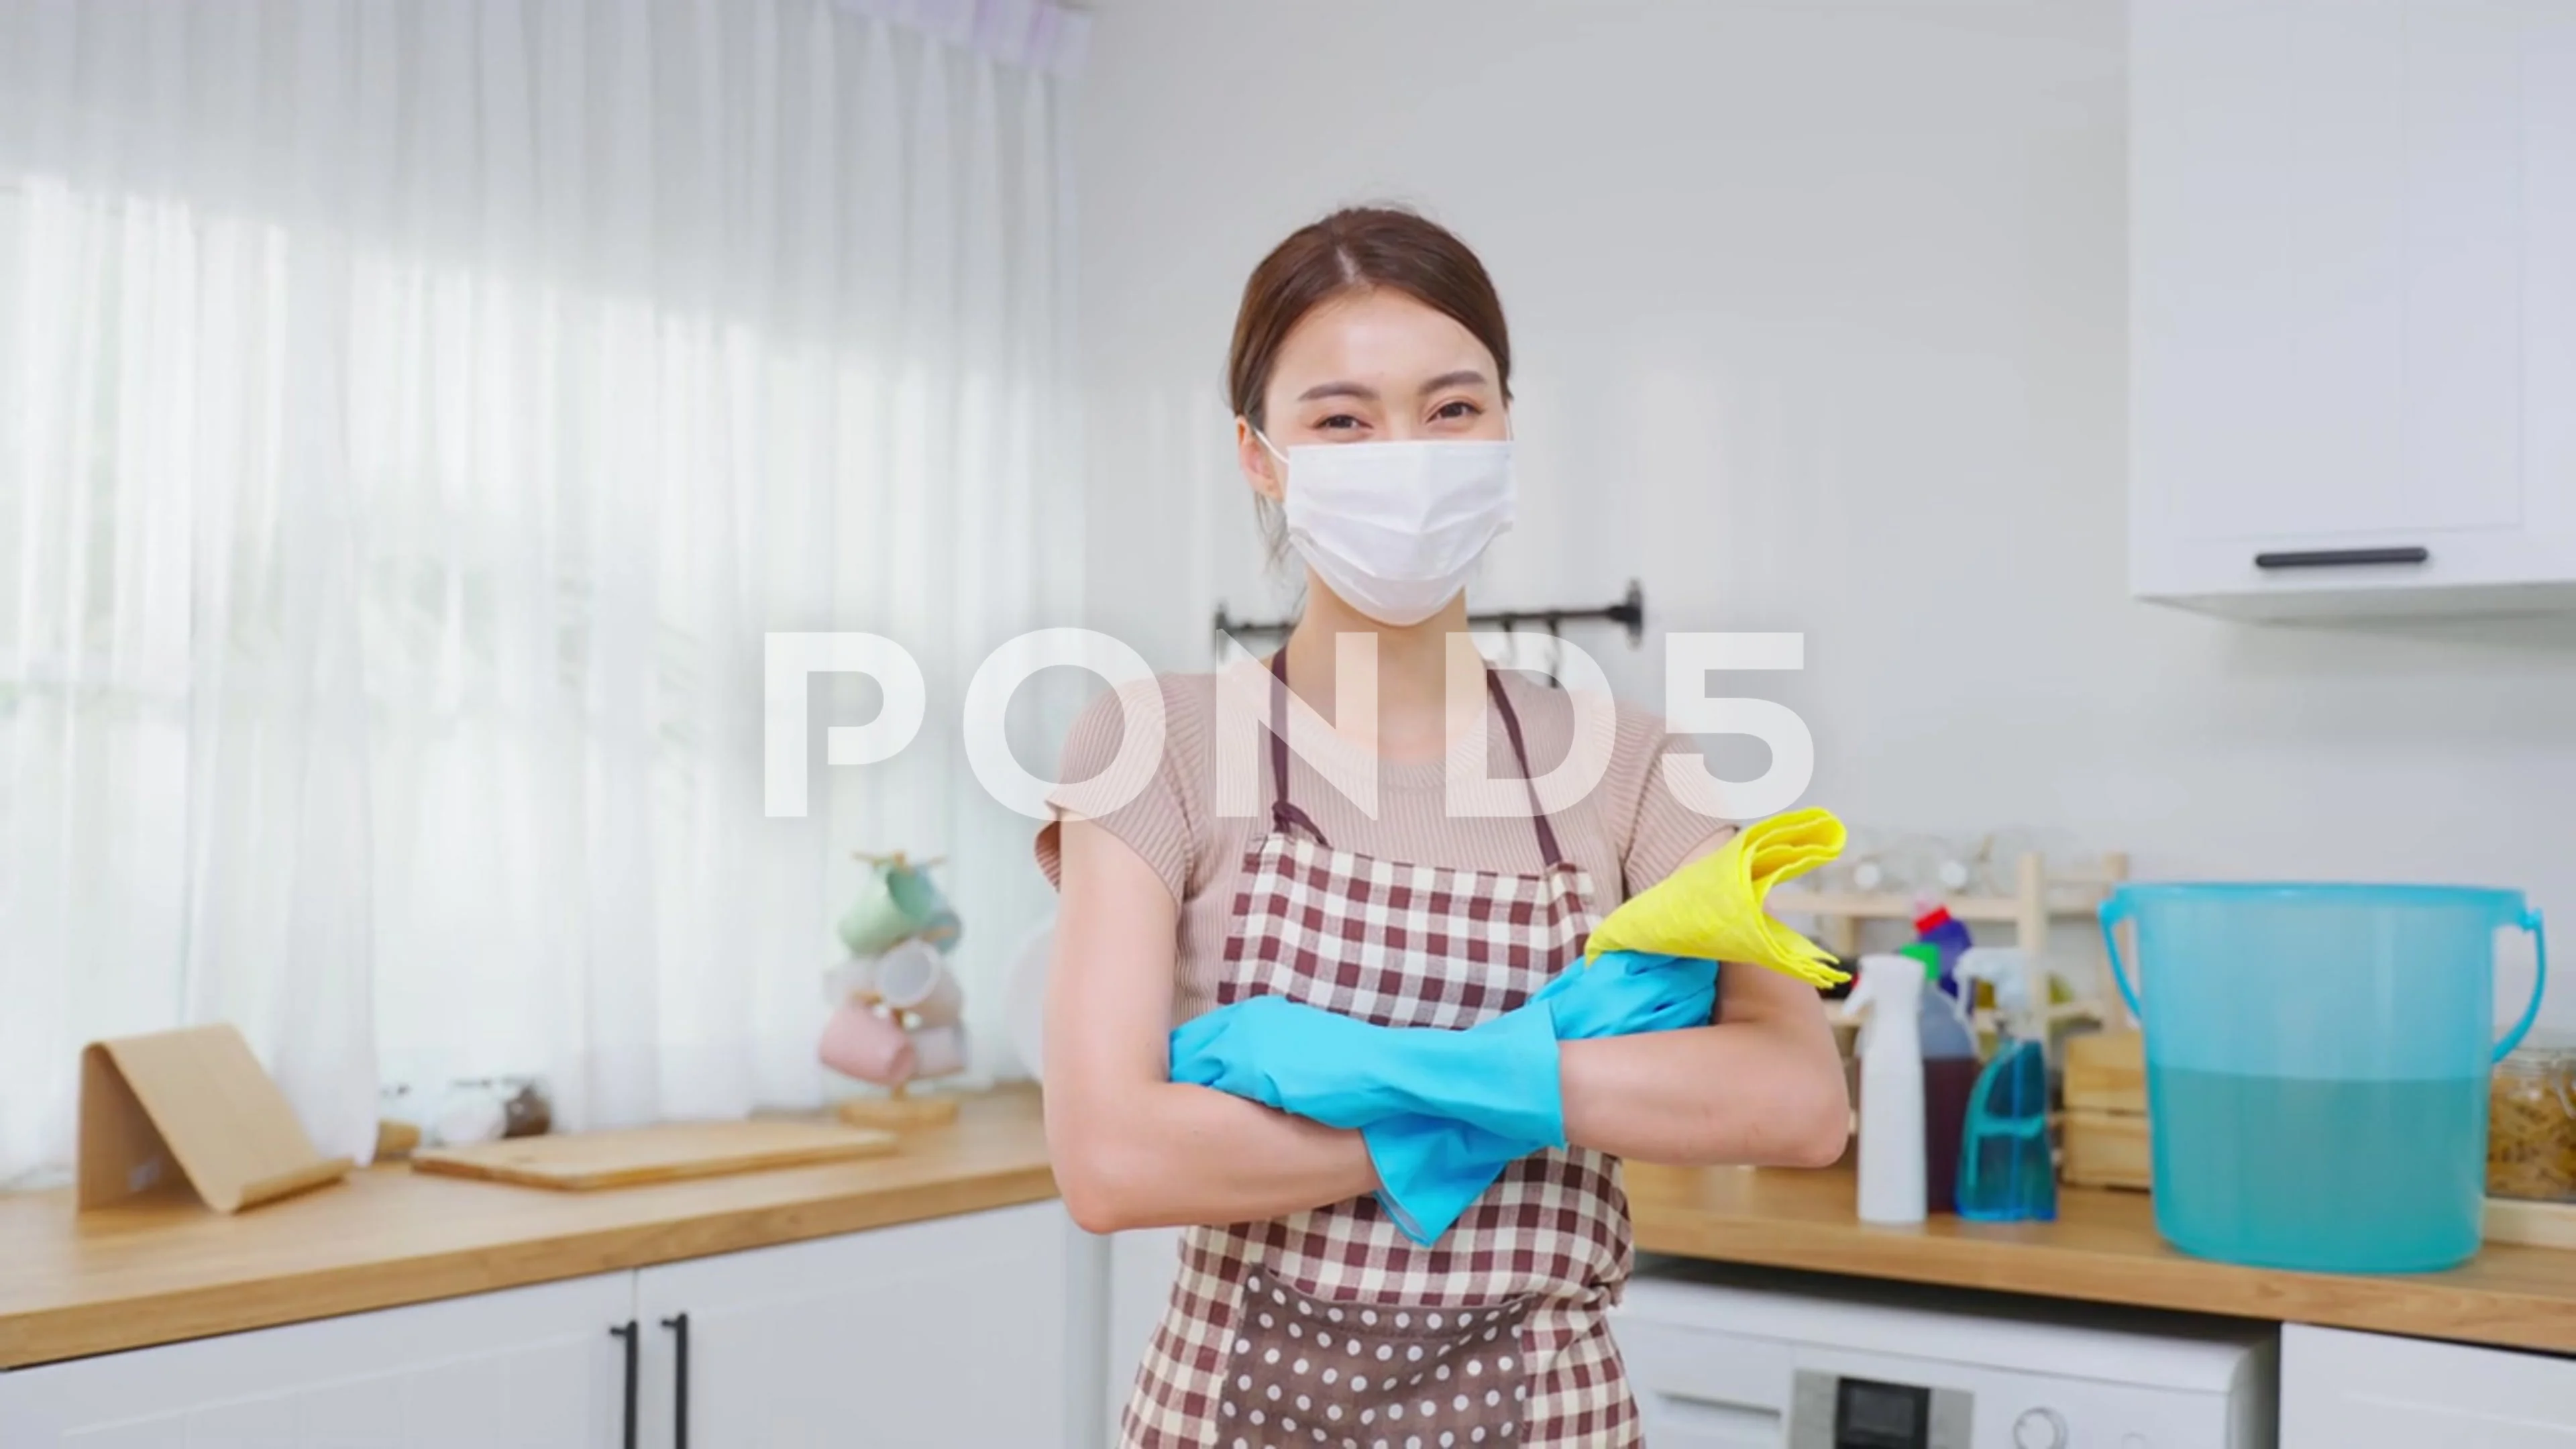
(1395, 528)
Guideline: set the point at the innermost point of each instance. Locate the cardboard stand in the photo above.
(199, 1100)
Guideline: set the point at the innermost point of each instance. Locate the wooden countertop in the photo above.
(2102, 1248)
(164, 1270)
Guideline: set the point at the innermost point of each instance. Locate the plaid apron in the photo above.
(1331, 1327)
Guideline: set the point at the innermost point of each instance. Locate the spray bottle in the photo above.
(1891, 1089)
(2006, 1172)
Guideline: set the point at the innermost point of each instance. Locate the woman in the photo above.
(1376, 327)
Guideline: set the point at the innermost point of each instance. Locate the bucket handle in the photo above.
(2539, 982)
(2115, 910)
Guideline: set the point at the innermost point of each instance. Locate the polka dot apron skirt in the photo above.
(1331, 1327)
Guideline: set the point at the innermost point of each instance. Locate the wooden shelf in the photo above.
(1890, 906)
(2040, 897)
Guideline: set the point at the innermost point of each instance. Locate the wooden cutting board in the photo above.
(667, 1153)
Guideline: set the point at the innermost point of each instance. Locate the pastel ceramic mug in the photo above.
(913, 978)
(854, 977)
(857, 1042)
(897, 901)
(942, 1051)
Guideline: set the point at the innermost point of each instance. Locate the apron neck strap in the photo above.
(1547, 847)
(1285, 816)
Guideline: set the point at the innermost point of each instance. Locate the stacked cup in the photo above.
(896, 1004)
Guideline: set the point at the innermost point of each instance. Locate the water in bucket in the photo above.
(2317, 1060)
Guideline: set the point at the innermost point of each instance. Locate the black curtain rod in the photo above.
(1629, 613)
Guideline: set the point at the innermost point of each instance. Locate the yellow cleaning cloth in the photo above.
(1711, 909)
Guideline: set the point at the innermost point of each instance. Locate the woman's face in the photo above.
(1372, 367)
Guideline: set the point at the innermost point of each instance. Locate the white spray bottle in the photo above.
(1891, 1089)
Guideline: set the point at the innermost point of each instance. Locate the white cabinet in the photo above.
(530, 1368)
(2365, 1391)
(1142, 1265)
(949, 1332)
(2353, 304)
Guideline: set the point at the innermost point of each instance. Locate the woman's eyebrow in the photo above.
(1464, 377)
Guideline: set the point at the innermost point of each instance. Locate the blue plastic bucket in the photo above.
(2317, 1062)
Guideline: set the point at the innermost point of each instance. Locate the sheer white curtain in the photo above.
(412, 416)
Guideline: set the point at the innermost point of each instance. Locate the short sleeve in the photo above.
(1135, 796)
(1664, 831)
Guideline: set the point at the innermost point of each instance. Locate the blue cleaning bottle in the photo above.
(2006, 1171)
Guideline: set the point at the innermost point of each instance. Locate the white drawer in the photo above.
(2344, 1390)
(1700, 1389)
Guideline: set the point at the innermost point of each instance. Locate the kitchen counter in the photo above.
(165, 1269)
(2103, 1248)
(159, 1271)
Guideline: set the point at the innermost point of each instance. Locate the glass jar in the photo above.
(2531, 1125)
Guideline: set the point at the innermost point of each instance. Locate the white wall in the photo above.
(1819, 310)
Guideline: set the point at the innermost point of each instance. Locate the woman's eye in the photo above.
(1338, 422)
(1456, 409)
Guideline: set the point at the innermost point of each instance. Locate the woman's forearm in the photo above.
(1763, 1094)
(1171, 1155)
(1131, 1148)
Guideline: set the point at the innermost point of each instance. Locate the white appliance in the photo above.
(1726, 1358)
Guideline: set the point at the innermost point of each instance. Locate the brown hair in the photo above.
(1357, 249)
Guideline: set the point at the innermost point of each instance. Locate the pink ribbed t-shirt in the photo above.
(1628, 831)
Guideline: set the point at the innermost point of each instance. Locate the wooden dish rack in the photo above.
(2040, 898)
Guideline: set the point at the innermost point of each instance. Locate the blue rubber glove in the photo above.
(1438, 1143)
(1431, 1171)
(1623, 993)
(1499, 1076)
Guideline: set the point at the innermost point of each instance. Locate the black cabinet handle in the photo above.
(2337, 558)
(679, 1326)
(626, 1331)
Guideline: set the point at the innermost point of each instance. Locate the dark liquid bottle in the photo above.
(1947, 1084)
